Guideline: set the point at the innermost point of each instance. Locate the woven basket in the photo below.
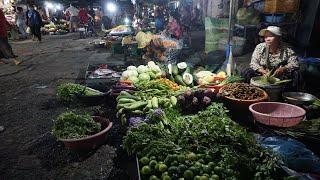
(281, 6)
(277, 114)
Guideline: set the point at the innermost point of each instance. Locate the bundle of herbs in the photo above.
(73, 126)
(308, 130)
(67, 92)
(223, 148)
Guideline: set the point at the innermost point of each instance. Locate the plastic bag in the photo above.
(294, 154)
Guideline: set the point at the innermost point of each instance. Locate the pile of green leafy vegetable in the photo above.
(67, 92)
(223, 148)
(73, 126)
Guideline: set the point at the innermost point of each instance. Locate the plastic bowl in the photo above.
(277, 114)
(90, 142)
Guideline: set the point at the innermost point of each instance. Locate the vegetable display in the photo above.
(192, 101)
(207, 145)
(180, 73)
(67, 92)
(242, 91)
(73, 126)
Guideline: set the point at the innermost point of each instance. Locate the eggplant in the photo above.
(208, 93)
(188, 93)
(195, 101)
(181, 99)
(206, 100)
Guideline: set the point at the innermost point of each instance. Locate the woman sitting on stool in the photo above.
(273, 54)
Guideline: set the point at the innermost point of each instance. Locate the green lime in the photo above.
(215, 177)
(164, 174)
(162, 167)
(204, 178)
(181, 158)
(146, 170)
(211, 165)
(208, 158)
(218, 169)
(197, 178)
(194, 170)
(153, 158)
(173, 170)
(182, 168)
(153, 177)
(201, 161)
(188, 174)
(144, 161)
(206, 169)
(153, 163)
(166, 177)
(175, 163)
(191, 156)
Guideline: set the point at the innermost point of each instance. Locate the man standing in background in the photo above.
(74, 18)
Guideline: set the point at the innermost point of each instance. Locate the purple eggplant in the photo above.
(206, 100)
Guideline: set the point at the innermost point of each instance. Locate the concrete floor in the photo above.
(28, 106)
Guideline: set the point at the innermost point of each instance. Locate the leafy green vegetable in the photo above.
(211, 134)
(72, 126)
(67, 92)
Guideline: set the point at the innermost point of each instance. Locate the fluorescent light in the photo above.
(49, 5)
(111, 7)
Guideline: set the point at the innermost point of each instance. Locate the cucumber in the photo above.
(171, 78)
(178, 79)
(175, 70)
(188, 70)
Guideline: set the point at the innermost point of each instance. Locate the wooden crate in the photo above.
(281, 6)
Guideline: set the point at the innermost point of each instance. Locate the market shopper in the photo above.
(74, 18)
(83, 16)
(159, 20)
(20, 20)
(5, 48)
(174, 28)
(35, 22)
(273, 54)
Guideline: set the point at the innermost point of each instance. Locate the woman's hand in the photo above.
(280, 71)
(263, 71)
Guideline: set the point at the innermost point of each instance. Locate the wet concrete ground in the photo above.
(28, 106)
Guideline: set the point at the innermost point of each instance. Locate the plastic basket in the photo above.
(277, 114)
(281, 6)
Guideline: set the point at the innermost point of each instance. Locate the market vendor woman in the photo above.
(275, 55)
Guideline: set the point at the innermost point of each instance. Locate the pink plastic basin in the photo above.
(277, 114)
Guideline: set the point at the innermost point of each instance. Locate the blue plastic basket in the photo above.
(274, 18)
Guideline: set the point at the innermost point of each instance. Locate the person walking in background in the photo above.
(159, 20)
(20, 20)
(74, 18)
(35, 23)
(5, 48)
(83, 16)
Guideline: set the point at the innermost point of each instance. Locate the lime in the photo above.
(156, 167)
(144, 161)
(173, 170)
(181, 158)
(153, 163)
(146, 170)
(208, 158)
(228, 171)
(198, 165)
(204, 178)
(194, 170)
(162, 167)
(164, 174)
(206, 169)
(166, 177)
(174, 163)
(188, 174)
(182, 168)
(218, 169)
(211, 165)
(153, 177)
(201, 161)
(197, 178)
(153, 158)
(191, 156)
(215, 177)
